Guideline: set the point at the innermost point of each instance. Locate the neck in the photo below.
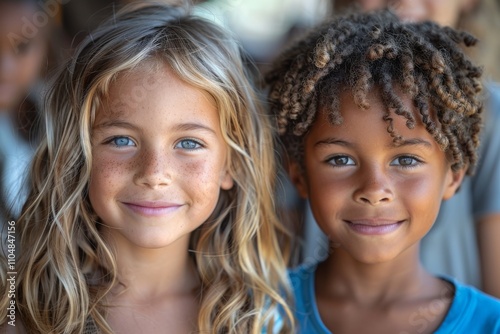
(374, 283)
(149, 274)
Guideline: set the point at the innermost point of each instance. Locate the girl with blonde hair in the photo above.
(151, 203)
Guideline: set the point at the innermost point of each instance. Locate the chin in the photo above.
(145, 241)
(156, 243)
(375, 257)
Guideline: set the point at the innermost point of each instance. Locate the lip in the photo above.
(152, 208)
(374, 226)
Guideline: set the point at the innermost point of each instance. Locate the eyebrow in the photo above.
(405, 142)
(333, 141)
(193, 126)
(414, 141)
(116, 123)
(178, 127)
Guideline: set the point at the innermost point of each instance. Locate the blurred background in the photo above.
(262, 26)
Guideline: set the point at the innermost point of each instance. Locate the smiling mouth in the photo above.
(374, 227)
(152, 209)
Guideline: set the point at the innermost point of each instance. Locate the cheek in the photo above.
(327, 192)
(30, 67)
(425, 195)
(106, 176)
(204, 172)
(202, 177)
(326, 181)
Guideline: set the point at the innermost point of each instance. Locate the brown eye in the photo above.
(340, 160)
(406, 161)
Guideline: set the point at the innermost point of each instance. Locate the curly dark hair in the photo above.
(361, 52)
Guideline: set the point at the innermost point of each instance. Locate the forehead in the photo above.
(131, 88)
(378, 118)
(153, 90)
(14, 16)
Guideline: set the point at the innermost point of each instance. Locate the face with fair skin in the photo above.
(159, 159)
(444, 12)
(373, 199)
(22, 56)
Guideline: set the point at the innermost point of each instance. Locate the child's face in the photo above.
(159, 159)
(23, 49)
(369, 196)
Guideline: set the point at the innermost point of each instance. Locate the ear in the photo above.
(226, 181)
(453, 182)
(296, 173)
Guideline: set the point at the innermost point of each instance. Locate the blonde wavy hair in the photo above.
(65, 269)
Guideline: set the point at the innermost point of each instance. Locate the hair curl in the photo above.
(359, 52)
(65, 269)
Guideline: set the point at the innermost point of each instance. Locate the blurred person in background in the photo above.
(28, 48)
(479, 17)
(464, 241)
(80, 17)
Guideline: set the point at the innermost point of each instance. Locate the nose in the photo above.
(154, 169)
(374, 187)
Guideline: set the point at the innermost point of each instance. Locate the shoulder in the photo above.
(302, 273)
(472, 311)
(302, 280)
(305, 309)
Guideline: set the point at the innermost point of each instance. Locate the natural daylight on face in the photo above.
(371, 196)
(159, 159)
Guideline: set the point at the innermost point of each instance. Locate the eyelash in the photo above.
(417, 161)
(111, 141)
(330, 159)
(197, 143)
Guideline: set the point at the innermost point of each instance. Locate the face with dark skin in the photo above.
(373, 198)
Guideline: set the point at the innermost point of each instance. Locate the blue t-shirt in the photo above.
(471, 311)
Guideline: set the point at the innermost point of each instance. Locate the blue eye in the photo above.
(340, 160)
(406, 161)
(122, 141)
(188, 144)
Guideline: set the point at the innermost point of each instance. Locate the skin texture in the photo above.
(162, 148)
(21, 56)
(356, 180)
(152, 165)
